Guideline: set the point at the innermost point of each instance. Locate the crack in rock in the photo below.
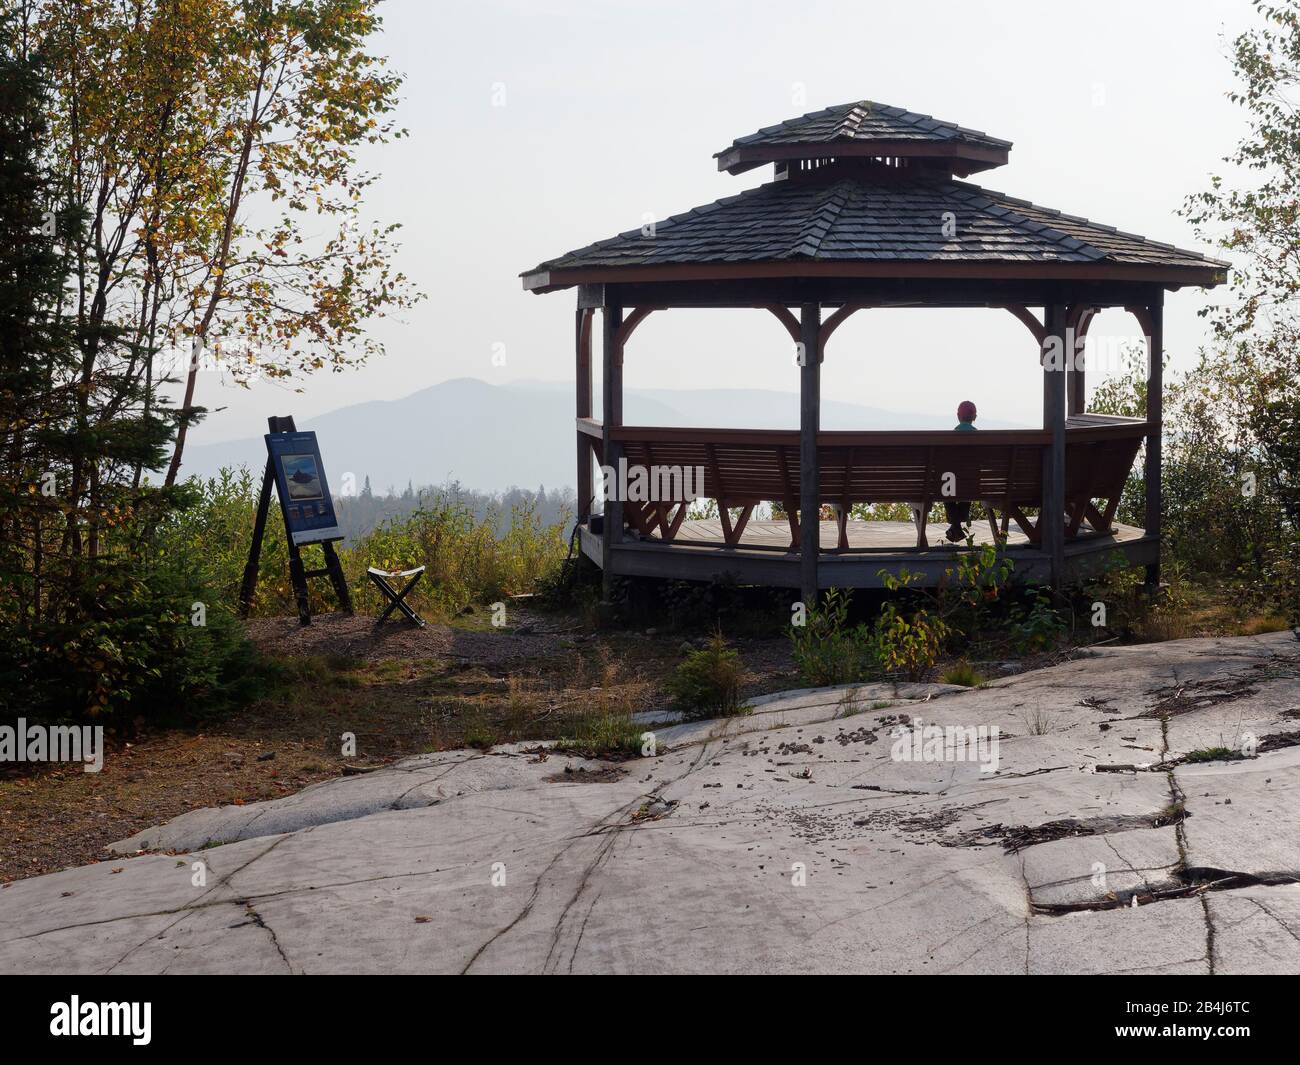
(1016, 838)
(258, 920)
(1186, 884)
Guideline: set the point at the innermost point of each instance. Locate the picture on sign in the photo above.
(302, 477)
(303, 489)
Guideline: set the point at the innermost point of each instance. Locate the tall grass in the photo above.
(467, 560)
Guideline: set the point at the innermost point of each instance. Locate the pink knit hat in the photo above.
(966, 411)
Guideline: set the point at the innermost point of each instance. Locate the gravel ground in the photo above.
(359, 637)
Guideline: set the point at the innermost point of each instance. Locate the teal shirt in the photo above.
(965, 427)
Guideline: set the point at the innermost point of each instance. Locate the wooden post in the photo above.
(1052, 519)
(298, 579)
(1076, 399)
(247, 588)
(334, 570)
(583, 391)
(611, 416)
(809, 425)
(1155, 421)
(249, 584)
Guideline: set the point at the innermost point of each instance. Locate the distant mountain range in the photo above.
(494, 437)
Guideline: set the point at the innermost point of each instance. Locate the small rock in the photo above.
(660, 807)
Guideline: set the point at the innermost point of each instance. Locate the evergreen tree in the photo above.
(38, 355)
(95, 618)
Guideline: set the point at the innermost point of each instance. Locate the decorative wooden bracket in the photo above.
(1079, 317)
(839, 318)
(791, 323)
(1143, 315)
(638, 315)
(584, 331)
(787, 319)
(1031, 323)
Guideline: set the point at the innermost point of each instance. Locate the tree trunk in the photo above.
(219, 264)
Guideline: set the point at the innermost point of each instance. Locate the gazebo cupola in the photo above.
(867, 210)
(866, 137)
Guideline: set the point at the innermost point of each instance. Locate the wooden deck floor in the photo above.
(863, 535)
(764, 556)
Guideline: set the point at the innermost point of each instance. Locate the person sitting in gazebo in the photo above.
(958, 511)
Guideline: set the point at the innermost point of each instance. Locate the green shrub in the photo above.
(1284, 579)
(132, 650)
(907, 644)
(826, 650)
(967, 595)
(1136, 611)
(708, 683)
(1036, 625)
(1121, 590)
(214, 531)
(1232, 434)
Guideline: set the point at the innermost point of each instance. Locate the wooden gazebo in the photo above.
(866, 211)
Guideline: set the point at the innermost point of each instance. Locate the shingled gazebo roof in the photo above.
(868, 191)
(866, 127)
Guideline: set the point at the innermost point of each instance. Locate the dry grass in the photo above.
(850, 703)
(963, 673)
(1038, 722)
(1209, 610)
(1262, 623)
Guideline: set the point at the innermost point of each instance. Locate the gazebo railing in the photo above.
(663, 470)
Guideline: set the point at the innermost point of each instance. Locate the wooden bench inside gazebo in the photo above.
(866, 211)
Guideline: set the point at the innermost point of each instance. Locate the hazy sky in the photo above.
(613, 110)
